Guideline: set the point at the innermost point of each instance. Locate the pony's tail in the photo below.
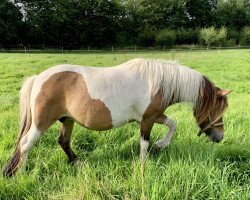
(25, 123)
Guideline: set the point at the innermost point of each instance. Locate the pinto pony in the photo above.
(103, 98)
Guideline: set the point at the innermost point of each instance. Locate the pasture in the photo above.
(190, 168)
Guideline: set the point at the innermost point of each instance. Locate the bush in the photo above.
(245, 36)
(230, 43)
(211, 36)
(121, 38)
(146, 37)
(233, 34)
(221, 36)
(187, 36)
(166, 37)
(208, 35)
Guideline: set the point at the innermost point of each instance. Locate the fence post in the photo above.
(25, 49)
(173, 54)
(135, 48)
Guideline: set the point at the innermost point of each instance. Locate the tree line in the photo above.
(101, 23)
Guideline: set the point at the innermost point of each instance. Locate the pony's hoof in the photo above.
(160, 144)
(77, 163)
(155, 150)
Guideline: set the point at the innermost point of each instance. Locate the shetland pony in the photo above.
(103, 98)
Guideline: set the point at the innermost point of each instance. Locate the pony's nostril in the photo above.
(217, 138)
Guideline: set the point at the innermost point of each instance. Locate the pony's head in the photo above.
(209, 110)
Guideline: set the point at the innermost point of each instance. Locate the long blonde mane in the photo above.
(176, 82)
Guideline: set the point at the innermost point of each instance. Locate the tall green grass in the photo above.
(190, 168)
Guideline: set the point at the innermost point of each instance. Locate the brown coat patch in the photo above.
(152, 113)
(66, 93)
(156, 107)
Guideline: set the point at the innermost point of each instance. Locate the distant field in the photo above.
(190, 168)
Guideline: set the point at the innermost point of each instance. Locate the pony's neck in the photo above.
(186, 89)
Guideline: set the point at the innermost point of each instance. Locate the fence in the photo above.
(81, 49)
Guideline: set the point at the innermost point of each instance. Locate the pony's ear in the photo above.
(222, 93)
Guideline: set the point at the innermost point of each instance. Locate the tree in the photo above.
(232, 14)
(71, 23)
(200, 13)
(10, 23)
(164, 13)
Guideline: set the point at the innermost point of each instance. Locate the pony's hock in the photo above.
(102, 98)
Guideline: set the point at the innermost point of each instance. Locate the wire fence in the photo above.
(81, 49)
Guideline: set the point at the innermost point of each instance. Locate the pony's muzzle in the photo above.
(215, 135)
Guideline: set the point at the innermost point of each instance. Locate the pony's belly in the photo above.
(121, 120)
(93, 115)
(97, 116)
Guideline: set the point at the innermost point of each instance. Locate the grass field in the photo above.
(190, 168)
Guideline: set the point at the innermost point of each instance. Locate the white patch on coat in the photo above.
(163, 143)
(143, 149)
(28, 140)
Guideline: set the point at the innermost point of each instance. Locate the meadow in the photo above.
(190, 168)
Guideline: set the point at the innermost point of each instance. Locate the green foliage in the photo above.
(201, 12)
(232, 14)
(10, 23)
(230, 43)
(146, 37)
(164, 13)
(211, 36)
(187, 36)
(245, 36)
(233, 34)
(104, 23)
(165, 37)
(208, 35)
(221, 36)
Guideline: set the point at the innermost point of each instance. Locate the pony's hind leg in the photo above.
(20, 154)
(163, 143)
(64, 138)
(27, 142)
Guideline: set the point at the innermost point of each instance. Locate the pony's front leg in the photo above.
(163, 143)
(145, 129)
